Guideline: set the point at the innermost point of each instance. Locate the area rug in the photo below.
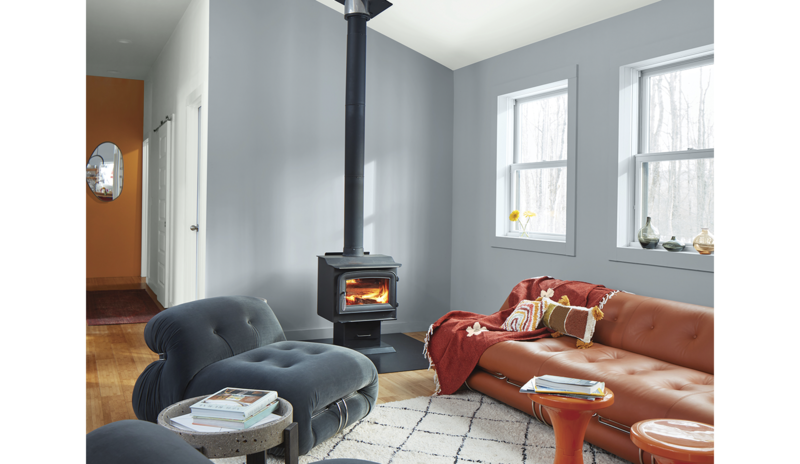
(119, 307)
(465, 427)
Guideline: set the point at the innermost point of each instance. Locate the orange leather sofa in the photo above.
(656, 355)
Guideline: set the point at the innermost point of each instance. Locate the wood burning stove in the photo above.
(355, 290)
(357, 293)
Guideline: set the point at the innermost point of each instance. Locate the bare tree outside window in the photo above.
(541, 136)
(679, 118)
(681, 199)
(681, 110)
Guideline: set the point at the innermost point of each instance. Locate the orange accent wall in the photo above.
(115, 113)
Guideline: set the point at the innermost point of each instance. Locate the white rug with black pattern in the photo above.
(466, 427)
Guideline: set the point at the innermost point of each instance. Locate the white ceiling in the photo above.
(457, 33)
(147, 24)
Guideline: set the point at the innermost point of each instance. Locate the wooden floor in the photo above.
(117, 354)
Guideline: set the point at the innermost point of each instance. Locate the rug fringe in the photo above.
(431, 365)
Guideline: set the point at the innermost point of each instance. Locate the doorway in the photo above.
(193, 280)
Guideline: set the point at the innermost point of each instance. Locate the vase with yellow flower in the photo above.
(514, 217)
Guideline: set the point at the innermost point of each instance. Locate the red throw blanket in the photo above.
(454, 343)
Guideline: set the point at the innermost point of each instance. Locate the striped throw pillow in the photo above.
(526, 317)
(574, 321)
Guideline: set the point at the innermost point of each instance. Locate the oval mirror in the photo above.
(104, 172)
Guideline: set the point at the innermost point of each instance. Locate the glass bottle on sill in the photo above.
(648, 236)
(673, 245)
(704, 243)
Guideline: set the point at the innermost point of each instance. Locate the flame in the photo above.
(367, 291)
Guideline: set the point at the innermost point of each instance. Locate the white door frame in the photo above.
(193, 103)
(145, 202)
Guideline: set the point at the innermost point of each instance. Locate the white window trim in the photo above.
(626, 248)
(506, 94)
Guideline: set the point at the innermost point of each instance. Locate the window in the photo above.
(536, 164)
(675, 163)
(539, 170)
(666, 156)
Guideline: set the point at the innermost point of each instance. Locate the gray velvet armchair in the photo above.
(210, 344)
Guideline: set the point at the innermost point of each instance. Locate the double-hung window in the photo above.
(668, 122)
(536, 165)
(675, 163)
(539, 169)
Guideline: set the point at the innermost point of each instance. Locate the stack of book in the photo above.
(565, 386)
(230, 408)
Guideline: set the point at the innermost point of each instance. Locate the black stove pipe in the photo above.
(354, 134)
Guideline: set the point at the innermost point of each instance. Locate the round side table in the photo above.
(253, 442)
(570, 417)
(674, 441)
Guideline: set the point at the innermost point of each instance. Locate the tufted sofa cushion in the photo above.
(644, 387)
(311, 376)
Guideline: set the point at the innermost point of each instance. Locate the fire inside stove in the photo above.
(367, 291)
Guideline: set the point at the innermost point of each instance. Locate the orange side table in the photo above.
(674, 441)
(570, 416)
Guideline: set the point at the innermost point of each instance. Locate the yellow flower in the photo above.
(529, 214)
(514, 215)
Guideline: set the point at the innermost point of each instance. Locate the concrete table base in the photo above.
(253, 442)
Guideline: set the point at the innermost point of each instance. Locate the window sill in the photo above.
(689, 260)
(554, 247)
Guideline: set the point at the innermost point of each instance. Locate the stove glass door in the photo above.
(368, 291)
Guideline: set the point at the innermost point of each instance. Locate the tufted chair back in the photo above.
(678, 333)
(193, 335)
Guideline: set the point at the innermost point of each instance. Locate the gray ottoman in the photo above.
(137, 442)
(140, 442)
(207, 345)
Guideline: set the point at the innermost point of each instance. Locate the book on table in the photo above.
(235, 424)
(185, 422)
(234, 403)
(565, 386)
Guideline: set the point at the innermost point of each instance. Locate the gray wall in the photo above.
(482, 276)
(276, 161)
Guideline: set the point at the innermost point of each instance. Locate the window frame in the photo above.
(631, 208)
(541, 85)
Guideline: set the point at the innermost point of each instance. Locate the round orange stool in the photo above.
(570, 416)
(674, 441)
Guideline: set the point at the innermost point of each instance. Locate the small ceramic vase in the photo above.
(648, 235)
(673, 245)
(704, 243)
